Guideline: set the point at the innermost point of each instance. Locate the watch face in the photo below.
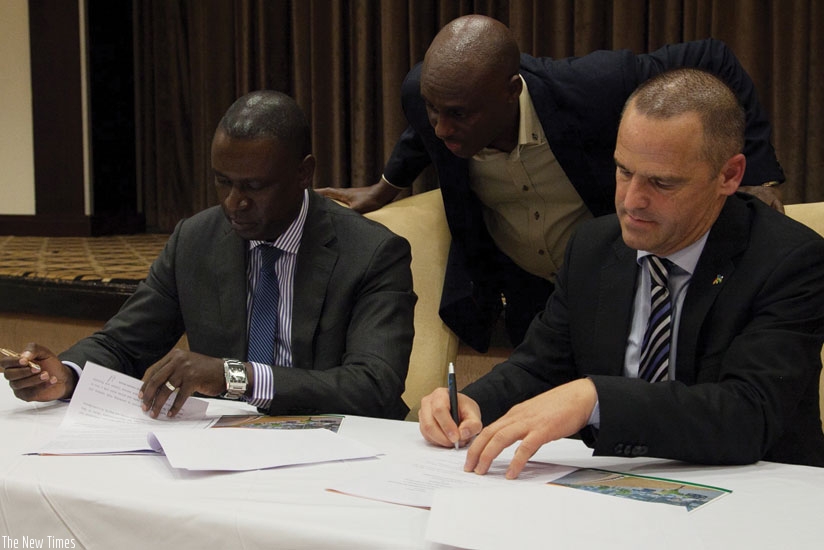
(235, 378)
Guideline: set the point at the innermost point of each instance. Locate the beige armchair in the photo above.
(421, 220)
(811, 215)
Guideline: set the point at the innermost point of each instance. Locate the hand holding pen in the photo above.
(14, 354)
(448, 418)
(37, 374)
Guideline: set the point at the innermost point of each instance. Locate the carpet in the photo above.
(74, 276)
(119, 258)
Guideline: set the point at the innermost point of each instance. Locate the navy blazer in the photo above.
(352, 322)
(748, 360)
(578, 101)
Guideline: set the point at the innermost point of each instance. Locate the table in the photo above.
(139, 501)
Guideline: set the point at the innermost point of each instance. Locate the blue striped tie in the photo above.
(263, 326)
(655, 349)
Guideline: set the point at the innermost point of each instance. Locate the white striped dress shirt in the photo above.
(289, 242)
(683, 266)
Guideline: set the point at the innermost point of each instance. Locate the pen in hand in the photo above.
(453, 398)
(10, 353)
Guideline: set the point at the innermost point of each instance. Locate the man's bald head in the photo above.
(473, 46)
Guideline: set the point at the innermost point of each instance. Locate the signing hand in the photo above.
(38, 375)
(185, 371)
(435, 419)
(557, 413)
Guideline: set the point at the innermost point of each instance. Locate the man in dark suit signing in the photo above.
(289, 301)
(688, 326)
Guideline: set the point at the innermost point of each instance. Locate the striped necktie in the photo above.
(263, 325)
(655, 349)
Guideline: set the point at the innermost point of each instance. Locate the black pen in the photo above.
(453, 398)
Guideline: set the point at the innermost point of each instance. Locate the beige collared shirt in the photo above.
(530, 206)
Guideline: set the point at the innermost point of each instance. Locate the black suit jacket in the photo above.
(352, 322)
(579, 102)
(749, 347)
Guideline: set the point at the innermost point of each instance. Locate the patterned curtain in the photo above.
(344, 60)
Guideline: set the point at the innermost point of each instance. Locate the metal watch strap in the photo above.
(236, 381)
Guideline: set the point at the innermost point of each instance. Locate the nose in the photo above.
(635, 197)
(235, 199)
(443, 128)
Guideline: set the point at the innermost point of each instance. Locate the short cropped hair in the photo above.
(688, 90)
(268, 114)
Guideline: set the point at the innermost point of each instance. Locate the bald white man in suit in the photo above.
(729, 373)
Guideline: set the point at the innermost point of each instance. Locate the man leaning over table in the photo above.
(523, 151)
(740, 325)
(341, 284)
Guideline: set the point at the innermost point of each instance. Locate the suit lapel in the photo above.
(727, 239)
(317, 257)
(229, 276)
(616, 294)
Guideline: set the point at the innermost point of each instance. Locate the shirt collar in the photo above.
(289, 240)
(686, 258)
(530, 131)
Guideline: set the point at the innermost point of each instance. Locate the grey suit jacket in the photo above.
(749, 346)
(352, 322)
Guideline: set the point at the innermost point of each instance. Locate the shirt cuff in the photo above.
(595, 417)
(264, 390)
(75, 367)
(390, 184)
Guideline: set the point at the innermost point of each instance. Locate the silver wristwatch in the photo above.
(235, 372)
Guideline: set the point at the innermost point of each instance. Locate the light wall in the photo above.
(16, 139)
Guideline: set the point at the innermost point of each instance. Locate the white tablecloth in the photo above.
(139, 501)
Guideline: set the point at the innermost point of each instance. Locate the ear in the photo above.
(306, 171)
(732, 173)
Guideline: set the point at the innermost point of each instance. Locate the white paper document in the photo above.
(548, 516)
(104, 416)
(413, 479)
(234, 449)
